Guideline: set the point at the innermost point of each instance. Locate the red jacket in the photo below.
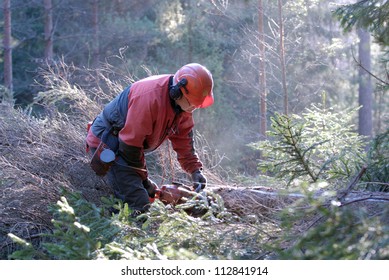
(151, 119)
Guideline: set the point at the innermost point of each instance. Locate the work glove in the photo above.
(150, 187)
(199, 180)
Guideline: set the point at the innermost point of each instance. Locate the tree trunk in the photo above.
(7, 46)
(282, 57)
(48, 30)
(262, 73)
(365, 85)
(96, 31)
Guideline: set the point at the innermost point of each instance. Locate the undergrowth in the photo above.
(83, 231)
(333, 230)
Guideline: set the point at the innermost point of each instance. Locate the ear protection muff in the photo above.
(175, 91)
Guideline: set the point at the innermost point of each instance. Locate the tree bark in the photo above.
(190, 30)
(262, 73)
(282, 58)
(96, 31)
(365, 85)
(48, 30)
(7, 46)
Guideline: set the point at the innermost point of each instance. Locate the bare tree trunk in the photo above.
(262, 73)
(365, 85)
(7, 46)
(96, 31)
(190, 32)
(282, 58)
(48, 30)
(379, 100)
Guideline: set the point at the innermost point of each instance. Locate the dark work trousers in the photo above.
(127, 185)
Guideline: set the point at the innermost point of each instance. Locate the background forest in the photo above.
(137, 38)
(290, 77)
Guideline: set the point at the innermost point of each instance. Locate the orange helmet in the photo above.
(199, 87)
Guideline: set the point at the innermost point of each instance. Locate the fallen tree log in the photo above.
(264, 201)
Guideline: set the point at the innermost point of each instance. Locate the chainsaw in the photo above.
(177, 193)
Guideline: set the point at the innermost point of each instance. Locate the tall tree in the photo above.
(365, 126)
(262, 71)
(282, 57)
(7, 43)
(48, 6)
(372, 15)
(96, 33)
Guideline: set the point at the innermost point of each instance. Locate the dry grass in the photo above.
(38, 158)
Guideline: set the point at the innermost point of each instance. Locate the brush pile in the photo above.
(38, 159)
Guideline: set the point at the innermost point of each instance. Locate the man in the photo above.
(141, 118)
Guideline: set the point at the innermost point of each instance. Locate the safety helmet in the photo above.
(199, 87)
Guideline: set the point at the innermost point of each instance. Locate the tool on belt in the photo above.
(103, 157)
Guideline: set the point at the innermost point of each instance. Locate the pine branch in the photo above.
(352, 184)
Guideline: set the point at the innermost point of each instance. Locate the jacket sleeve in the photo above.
(183, 145)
